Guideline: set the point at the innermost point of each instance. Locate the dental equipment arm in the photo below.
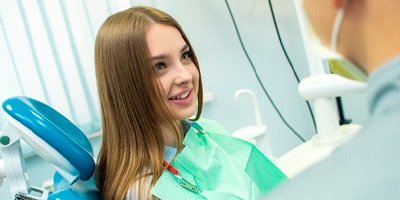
(2, 172)
(250, 133)
(322, 89)
(51, 136)
(14, 166)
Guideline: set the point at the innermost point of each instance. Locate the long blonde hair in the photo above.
(132, 108)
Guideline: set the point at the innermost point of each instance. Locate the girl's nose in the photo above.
(182, 75)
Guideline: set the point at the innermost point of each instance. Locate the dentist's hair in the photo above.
(132, 108)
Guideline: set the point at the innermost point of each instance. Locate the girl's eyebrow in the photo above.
(159, 57)
(163, 56)
(184, 47)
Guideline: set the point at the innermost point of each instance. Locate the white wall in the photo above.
(225, 68)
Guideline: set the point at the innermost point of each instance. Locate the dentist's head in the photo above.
(368, 33)
(364, 31)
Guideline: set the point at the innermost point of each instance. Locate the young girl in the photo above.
(149, 82)
(149, 85)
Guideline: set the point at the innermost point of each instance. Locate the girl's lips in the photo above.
(181, 95)
(183, 101)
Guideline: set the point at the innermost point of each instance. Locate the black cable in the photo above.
(342, 118)
(280, 40)
(255, 71)
(287, 56)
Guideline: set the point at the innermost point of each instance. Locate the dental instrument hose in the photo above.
(255, 71)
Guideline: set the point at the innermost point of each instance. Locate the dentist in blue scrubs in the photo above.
(368, 166)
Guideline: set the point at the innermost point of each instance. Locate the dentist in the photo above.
(367, 167)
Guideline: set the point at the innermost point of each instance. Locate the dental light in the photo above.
(51, 136)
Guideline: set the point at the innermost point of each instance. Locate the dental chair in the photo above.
(54, 138)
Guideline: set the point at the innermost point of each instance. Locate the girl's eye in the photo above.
(187, 55)
(159, 67)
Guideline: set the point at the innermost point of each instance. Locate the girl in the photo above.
(149, 81)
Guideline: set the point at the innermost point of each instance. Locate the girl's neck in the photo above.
(169, 137)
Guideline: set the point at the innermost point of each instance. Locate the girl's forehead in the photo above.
(162, 39)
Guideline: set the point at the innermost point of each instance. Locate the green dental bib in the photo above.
(221, 166)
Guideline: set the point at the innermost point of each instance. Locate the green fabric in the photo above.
(223, 167)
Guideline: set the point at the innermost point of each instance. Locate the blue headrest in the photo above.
(54, 129)
(84, 190)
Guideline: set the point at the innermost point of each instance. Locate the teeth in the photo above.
(182, 96)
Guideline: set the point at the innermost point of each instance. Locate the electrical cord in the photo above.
(255, 71)
(287, 57)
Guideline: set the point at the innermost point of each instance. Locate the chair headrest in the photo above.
(55, 130)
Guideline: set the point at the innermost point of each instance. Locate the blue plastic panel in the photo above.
(55, 130)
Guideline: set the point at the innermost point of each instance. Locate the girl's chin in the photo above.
(184, 116)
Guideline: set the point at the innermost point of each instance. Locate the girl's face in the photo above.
(177, 75)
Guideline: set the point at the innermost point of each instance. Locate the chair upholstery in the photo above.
(75, 168)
